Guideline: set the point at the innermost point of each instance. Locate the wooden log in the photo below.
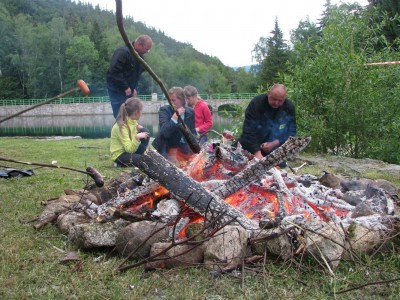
(148, 188)
(291, 147)
(190, 191)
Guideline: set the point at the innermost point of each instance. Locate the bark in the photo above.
(192, 142)
(150, 187)
(291, 147)
(190, 191)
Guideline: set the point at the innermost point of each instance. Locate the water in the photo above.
(86, 126)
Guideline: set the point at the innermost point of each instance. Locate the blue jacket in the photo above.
(169, 135)
(263, 123)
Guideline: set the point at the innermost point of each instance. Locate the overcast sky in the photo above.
(228, 30)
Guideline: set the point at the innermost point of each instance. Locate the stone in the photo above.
(178, 256)
(138, 237)
(227, 248)
(361, 240)
(71, 218)
(96, 235)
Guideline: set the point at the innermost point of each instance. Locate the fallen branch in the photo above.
(192, 142)
(92, 172)
(366, 284)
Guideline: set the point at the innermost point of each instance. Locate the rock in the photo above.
(138, 237)
(354, 197)
(361, 241)
(362, 210)
(71, 218)
(178, 256)
(96, 235)
(330, 180)
(227, 248)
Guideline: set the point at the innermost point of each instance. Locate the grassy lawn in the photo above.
(30, 266)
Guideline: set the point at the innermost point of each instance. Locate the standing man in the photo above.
(203, 118)
(269, 121)
(124, 72)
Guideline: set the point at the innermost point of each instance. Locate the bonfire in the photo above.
(224, 208)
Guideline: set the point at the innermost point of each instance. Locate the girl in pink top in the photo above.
(203, 118)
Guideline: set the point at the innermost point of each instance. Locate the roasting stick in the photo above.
(191, 140)
(82, 86)
(92, 172)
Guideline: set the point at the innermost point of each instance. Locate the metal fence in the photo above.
(239, 96)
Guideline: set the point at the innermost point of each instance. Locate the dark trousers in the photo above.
(116, 99)
(130, 159)
(203, 139)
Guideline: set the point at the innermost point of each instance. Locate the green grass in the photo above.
(29, 260)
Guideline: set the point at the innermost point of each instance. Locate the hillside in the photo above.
(48, 44)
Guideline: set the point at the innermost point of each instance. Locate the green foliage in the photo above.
(388, 16)
(347, 108)
(48, 45)
(272, 54)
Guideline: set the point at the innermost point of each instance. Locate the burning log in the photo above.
(149, 187)
(292, 146)
(190, 191)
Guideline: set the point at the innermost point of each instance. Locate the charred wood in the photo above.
(190, 191)
(291, 147)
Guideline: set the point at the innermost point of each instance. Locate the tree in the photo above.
(272, 54)
(347, 108)
(81, 56)
(60, 36)
(306, 34)
(388, 17)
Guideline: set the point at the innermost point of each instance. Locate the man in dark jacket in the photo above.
(124, 72)
(269, 121)
(169, 140)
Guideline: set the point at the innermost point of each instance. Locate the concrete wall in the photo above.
(94, 108)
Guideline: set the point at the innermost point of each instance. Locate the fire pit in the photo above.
(224, 208)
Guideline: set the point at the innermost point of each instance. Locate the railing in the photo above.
(239, 96)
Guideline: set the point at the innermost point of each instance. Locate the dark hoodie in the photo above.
(263, 123)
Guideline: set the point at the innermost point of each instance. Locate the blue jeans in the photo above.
(116, 99)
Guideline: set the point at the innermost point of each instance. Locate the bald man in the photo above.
(269, 121)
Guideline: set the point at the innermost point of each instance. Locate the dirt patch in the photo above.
(351, 165)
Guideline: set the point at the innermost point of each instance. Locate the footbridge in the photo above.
(101, 105)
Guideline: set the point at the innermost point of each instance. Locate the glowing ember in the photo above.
(276, 195)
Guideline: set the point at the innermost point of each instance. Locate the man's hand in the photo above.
(258, 155)
(128, 92)
(269, 146)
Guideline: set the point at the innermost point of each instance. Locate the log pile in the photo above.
(226, 207)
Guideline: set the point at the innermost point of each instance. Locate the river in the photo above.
(85, 126)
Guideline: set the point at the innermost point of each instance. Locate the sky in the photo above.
(228, 30)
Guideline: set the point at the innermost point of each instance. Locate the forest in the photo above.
(344, 100)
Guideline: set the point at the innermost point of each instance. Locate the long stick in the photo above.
(185, 130)
(92, 172)
(383, 63)
(82, 87)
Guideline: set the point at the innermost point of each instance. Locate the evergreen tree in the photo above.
(272, 54)
(388, 16)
